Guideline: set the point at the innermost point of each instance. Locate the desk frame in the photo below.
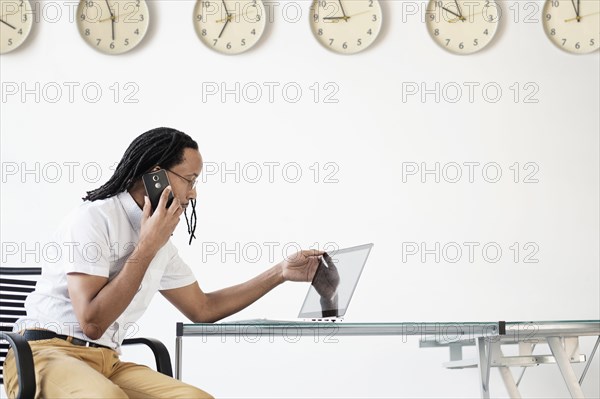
(561, 336)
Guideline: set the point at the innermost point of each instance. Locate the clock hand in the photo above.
(576, 10)
(6, 23)
(226, 22)
(343, 12)
(231, 15)
(459, 11)
(451, 12)
(112, 16)
(225, 6)
(580, 17)
(348, 17)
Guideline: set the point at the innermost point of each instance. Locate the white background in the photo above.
(367, 135)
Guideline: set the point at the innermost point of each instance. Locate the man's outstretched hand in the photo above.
(301, 266)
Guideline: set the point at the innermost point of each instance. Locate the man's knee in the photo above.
(110, 391)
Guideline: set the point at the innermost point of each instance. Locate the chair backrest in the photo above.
(15, 284)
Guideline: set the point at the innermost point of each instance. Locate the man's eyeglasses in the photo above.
(191, 183)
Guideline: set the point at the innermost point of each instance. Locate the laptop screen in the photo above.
(334, 282)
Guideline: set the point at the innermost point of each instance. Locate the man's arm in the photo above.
(97, 304)
(202, 307)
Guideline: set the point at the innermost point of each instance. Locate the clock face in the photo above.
(462, 26)
(230, 26)
(573, 26)
(112, 26)
(16, 19)
(346, 26)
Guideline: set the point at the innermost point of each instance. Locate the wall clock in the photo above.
(230, 26)
(573, 25)
(462, 26)
(346, 26)
(16, 19)
(113, 26)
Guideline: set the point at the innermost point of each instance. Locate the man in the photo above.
(120, 256)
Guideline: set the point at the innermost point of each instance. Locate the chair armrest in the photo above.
(161, 353)
(23, 362)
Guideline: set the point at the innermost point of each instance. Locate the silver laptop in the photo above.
(332, 286)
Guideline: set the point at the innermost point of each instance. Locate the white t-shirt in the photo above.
(97, 239)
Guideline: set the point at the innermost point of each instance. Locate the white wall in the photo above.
(367, 136)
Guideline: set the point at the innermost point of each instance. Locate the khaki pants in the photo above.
(64, 370)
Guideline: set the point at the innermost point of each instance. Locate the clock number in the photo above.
(323, 3)
(370, 3)
(374, 18)
(592, 42)
(316, 17)
(98, 40)
(564, 41)
(436, 32)
(137, 31)
(369, 32)
(137, 3)
(320, 32)
(10, 41)
(447, 42)
(199, 17)
(552, 32)
(24, 18)
(228, 46)
(577, 46)
(112, 45)
(330, 42)
(82, 17)
(359, 42)
(548, 17)
(127, 41)
(20, 31)
(141, 17)
(461, 46)
(87, 32)
(243, 42)
(257, 17)
(555, 3)
(485, 32)
(345, 45)
(475, 42)
(215, 42)
(203, 32)
(253, 31)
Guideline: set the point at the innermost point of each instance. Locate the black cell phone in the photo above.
(155, 183)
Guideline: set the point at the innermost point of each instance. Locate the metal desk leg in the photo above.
(509, 383)
(484, 357)
(178, 354)
(564, 364)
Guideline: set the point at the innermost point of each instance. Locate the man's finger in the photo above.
(164, 197)
(312, 252)
(147, 209)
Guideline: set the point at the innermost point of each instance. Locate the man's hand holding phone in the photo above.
(157, 227)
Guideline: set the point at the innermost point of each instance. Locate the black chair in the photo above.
(13, 292)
